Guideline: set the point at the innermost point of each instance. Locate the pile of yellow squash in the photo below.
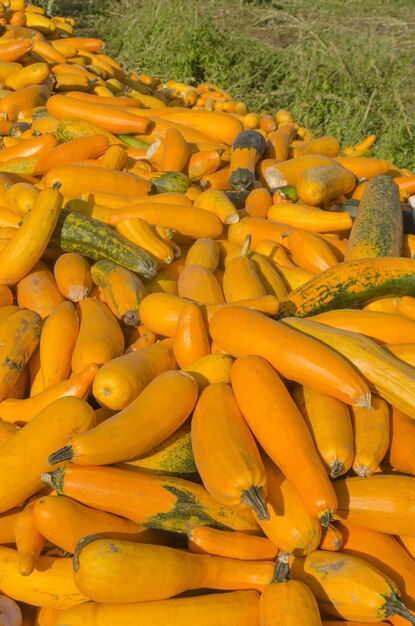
(207, 354)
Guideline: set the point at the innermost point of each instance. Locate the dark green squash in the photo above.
(247, 149)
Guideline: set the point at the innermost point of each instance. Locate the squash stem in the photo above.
(362, 470)
(365, 401)
(326, 517)
(246, 245)
(54, 479)
(254, 499)
(282, 569)
(336, 468)
(64, 454)
(82, 543)
(394, 606)
(131, 318)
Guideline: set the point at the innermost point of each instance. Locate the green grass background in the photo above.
(342, 67)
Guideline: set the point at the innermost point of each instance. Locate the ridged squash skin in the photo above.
(269, 276)
(139, 232)
(123, 292)
(378, 228)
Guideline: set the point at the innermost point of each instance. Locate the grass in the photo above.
(342, 68)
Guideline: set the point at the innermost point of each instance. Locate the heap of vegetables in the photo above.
(207, 354)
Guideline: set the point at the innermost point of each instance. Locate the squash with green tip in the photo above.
(78, 233)
(166, 182)
(351, 284)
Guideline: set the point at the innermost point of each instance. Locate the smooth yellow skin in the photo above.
(240, 607)
(156, 413)
(345, 586)
(25, 456)
(26, 247)
(51, 584)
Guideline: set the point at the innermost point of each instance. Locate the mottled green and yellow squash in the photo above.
(377, 230)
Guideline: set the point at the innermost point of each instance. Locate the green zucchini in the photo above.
(248, 147)
(378, 228)
(350, 284)
(79, 233)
